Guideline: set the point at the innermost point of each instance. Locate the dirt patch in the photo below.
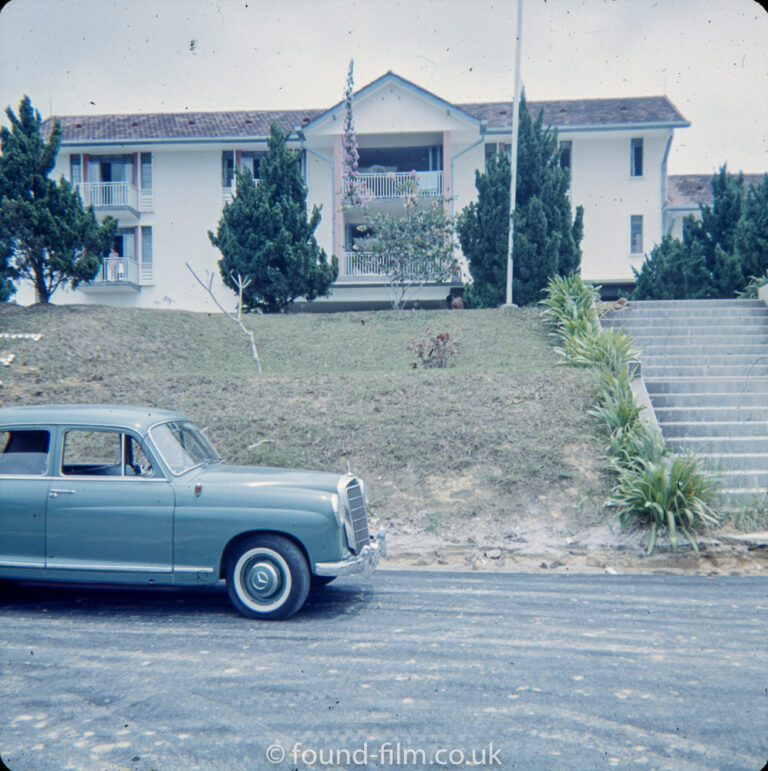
(554, 545)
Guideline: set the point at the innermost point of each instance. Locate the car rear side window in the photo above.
(24, 452)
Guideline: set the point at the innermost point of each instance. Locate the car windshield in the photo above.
(182, 446)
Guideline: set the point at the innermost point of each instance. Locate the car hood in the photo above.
(259, 476)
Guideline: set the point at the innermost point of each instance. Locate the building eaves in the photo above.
(563, 114)
(576, 114)
(140, 127)
(688, 191)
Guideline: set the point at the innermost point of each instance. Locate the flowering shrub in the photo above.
(354, 187)
(436, 352)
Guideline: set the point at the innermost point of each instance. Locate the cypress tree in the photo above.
(751, 236)
(46, 236)
(547, 238)
(266, 235)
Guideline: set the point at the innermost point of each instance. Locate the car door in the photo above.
(110, 509)
(24, 480)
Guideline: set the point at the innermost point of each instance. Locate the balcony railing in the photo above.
(113, 195)
(396, 184)
(117, 270)
(361, 264)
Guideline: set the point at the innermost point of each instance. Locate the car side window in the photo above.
(90, 452)
(136, 461)
(24, 452)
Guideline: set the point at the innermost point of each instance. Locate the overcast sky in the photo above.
(110, 56)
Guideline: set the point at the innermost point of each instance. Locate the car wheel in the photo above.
(322, 580)
(268, 577)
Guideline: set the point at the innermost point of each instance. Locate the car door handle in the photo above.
(57, 491)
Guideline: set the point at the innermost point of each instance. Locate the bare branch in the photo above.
(209, 288)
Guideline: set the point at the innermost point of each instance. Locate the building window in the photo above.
(110, 168)
(355, 235)
(75, 169)
(636, 234)
(565, 154)
(125, 244)
(227, 168)
(636, 157)
(492, 148)
(146, 171)
(147, 257)
(251, 161)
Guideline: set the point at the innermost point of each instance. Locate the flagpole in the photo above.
(513, 159)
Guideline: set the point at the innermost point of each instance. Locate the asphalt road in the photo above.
(521, 671)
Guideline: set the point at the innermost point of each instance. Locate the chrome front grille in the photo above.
(357, 515)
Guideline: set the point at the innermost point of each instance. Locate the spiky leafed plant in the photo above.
(668, 493)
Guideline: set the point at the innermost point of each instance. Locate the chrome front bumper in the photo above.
(365, 562)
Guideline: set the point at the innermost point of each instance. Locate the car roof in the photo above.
(113, 416)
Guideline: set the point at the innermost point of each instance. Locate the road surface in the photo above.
(406, 670)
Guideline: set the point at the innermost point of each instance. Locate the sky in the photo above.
(75, 57)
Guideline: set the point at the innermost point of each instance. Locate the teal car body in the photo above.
(135, 495)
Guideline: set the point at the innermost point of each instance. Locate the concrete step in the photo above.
(675, 312)
(711, 400)
(686, 322)
(665, 341)
(739, 480)
(714, 453)
(706, 330)
(743, 499)
(708, 360)
(733, 302)
(705, 414)
(715, 430)
(702, 370)
(701, 385)
(701, 349)
(721, 445)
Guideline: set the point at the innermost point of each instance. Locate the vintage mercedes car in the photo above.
(133, 495)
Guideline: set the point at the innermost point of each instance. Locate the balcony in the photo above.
(360, 264)
(115, 195)
(396, 185)
(116, 274)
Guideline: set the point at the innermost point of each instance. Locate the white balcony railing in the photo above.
(361, 264)
(397, 184)
(117, 270)
(113, 195)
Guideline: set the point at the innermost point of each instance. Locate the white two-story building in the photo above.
(166, 177)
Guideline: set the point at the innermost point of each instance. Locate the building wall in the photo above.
(602, 184)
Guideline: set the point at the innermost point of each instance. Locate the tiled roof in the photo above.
(256, 123)
(563, 113)
(185, 125)
(690, 190)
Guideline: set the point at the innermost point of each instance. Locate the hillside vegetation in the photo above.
(482, 451)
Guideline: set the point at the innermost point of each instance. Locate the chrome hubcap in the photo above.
(262, 579)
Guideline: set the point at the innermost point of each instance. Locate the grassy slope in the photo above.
(503, 435)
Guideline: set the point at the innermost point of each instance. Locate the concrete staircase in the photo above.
(705, 366)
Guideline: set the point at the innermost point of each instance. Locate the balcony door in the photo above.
(110, 168)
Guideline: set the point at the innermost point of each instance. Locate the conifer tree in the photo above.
(265, 235)
(46, 236)
(546, 238)
(751, 236)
